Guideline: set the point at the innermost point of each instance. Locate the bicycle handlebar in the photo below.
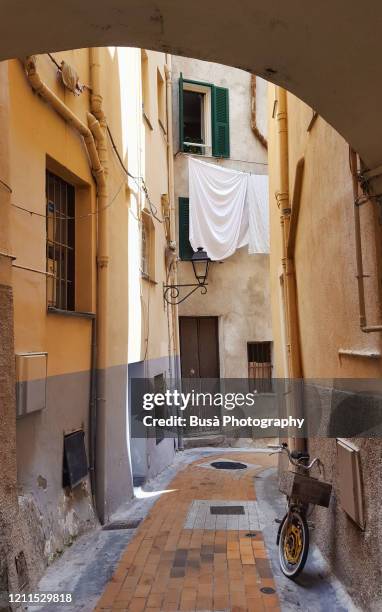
(278, 448)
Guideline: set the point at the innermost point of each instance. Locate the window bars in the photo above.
(60, 243)
(260, 366)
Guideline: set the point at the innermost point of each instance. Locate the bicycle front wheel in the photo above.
(293, 543)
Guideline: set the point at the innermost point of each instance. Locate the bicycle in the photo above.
(302, 491)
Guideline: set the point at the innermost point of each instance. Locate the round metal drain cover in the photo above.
(267, 590)
(228, 465)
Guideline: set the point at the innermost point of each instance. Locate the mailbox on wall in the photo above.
(350, 481)
(31, 373)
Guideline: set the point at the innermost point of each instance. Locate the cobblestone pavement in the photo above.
(220, 563)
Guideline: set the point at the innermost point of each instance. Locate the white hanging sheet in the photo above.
(218, 209)
(258, 209)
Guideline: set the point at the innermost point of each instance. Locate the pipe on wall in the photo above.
(294, 349)
(254, 126)
(289, 276)
(358, 249)
(98, 126)
(296, 201)
(60, 107)
(171, 194)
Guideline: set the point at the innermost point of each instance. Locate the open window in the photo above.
(203, 118)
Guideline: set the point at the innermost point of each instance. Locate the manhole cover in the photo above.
(228, 465)
(122, 525)
(227, 510)
(267, 590)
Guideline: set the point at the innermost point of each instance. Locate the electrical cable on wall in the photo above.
(7, 187)
(143, 187)
(75, 218)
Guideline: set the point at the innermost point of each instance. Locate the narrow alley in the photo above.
(184, 557)
(167, 552)
(190, 306)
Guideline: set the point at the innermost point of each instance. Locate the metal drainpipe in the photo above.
(98, 126)
(294, 349)
(171, 194)
(93, 411)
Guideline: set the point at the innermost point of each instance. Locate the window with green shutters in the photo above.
(185, 248)
(220, 122)
(203, 118)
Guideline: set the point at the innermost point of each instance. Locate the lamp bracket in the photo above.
(171, 293)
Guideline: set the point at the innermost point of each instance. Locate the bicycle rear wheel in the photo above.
(293, 543)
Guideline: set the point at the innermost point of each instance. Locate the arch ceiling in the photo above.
(327, 52)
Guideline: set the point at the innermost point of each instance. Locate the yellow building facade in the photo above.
(317, 320)
(84, 174)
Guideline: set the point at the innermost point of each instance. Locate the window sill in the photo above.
(147, 120)
(71, 313)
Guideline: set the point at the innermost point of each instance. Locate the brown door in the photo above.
(199, 347)
(199, 354)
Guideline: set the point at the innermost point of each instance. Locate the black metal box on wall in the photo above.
(75, 467)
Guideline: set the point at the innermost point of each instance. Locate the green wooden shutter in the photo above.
(181, 121)
(185, 248)
(220, 122)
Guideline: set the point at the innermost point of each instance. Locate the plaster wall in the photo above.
(325, 263)
(40, 139)
(238, 288)
(152, 338)
(278, 41)
(325, 252)
(147, 457)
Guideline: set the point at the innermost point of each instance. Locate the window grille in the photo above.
(260, 366)
(60, 245)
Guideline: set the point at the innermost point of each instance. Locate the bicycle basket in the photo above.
(307, 489)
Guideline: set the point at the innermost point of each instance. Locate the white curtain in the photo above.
(218, 210)
(228, 210)
(258, 209)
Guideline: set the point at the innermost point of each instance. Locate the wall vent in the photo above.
(75, 467)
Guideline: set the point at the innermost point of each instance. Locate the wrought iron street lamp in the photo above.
(200, 264)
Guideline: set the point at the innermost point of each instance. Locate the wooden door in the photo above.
(199, 353)
(199, 347)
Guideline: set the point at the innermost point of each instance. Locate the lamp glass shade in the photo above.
(200, 262)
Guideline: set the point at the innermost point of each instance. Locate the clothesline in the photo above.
(242, 161)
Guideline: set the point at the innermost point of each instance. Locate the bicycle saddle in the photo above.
(299, 455)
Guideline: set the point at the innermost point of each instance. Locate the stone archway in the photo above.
(327, 52)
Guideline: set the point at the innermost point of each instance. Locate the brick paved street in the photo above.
(213, 566)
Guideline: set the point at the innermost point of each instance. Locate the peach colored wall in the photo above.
(325, 252)
(325, 263)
